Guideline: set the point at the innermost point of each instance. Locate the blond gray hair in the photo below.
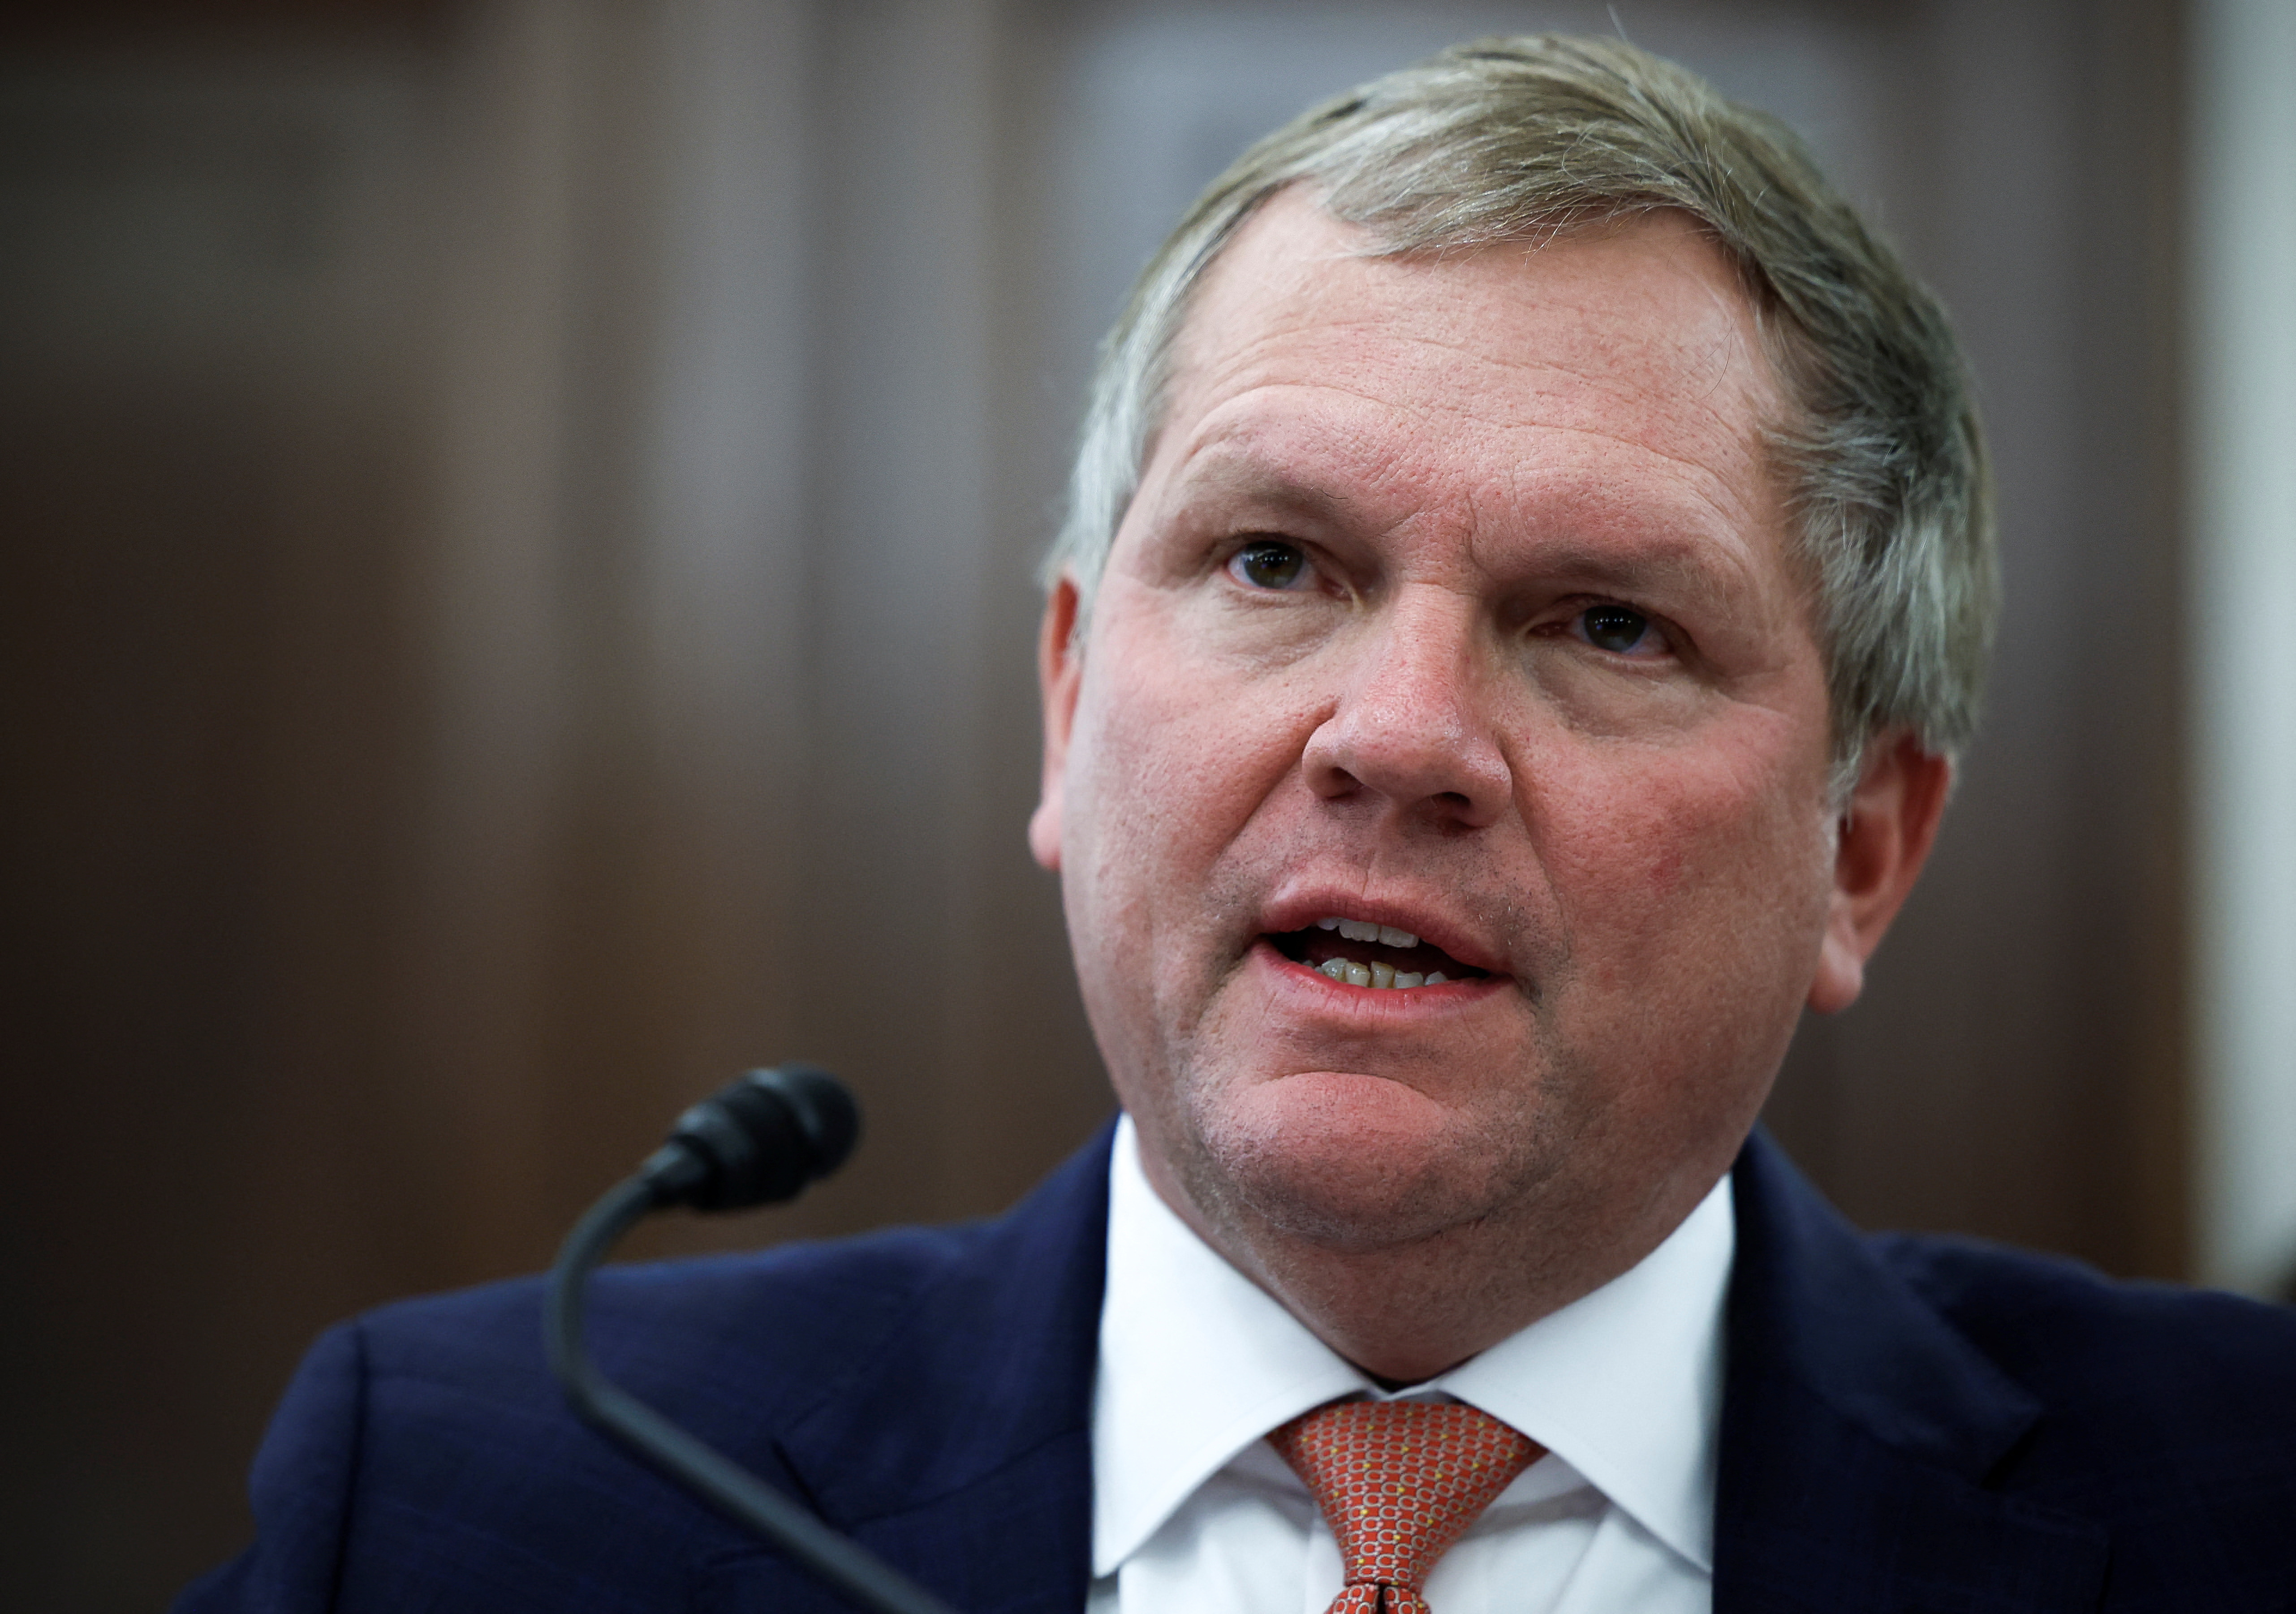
(1882, 461)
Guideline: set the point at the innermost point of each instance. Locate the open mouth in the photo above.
(1357, 953)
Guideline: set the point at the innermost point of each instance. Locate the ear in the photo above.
(1060, 666)
(1882, 840)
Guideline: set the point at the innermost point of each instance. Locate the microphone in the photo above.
(758, 1142)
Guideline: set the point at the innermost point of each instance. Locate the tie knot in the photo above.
(1399, 1482)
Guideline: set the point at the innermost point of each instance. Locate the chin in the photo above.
(1357, 1162)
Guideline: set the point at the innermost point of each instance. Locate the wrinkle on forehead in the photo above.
(1272, 353)
(1323, 261)
(1321, 252)
(1249, 461)
(1294, 303)
(1236, 433)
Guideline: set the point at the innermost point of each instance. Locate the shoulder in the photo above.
(2080, 1340)
(775, 1318)
(1985, 1413)
(425, 1457)
(2168, 1413)
(1984, 1336)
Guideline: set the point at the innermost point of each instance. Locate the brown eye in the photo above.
(1268, 563)
(1619, 630)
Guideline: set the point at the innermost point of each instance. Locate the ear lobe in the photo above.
(1060, 667)
(1887, 828)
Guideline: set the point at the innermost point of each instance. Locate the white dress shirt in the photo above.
(1192, 1508)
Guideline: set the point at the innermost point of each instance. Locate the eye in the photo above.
(1622, 630)
(1269, 563)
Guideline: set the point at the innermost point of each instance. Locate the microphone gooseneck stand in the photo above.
(758, 1142)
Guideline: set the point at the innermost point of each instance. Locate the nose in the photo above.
(1412, 725)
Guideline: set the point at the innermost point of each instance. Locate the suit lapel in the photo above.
(963, 1453)
(1858, 1432)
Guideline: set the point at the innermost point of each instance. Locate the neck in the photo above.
(1407, 1311)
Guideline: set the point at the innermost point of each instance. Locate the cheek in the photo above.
(1146, 767)
(1693, 917)
(1675, 873)
(1176, 749)
(1171, 758)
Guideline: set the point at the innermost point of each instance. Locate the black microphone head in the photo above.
(758, 1142)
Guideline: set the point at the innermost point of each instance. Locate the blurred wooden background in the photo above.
(518, 516)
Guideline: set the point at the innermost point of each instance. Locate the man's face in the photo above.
(1453, 603)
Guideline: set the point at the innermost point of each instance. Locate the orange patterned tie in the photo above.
(1399, 1482)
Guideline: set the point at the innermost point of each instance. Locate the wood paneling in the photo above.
(519, 518)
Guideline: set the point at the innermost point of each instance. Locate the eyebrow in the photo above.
(1221, 470)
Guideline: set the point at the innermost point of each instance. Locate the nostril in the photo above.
(1439, 765)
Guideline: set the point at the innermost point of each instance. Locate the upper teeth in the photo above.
(1363, 929)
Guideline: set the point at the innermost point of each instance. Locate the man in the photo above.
(1527, 579)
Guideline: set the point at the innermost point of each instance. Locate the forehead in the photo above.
(1615, 365)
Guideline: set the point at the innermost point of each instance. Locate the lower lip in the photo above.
(1289, 976)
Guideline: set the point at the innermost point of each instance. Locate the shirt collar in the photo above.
(1197, 1363)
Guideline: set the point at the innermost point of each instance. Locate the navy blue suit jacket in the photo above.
(1909, 1424)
